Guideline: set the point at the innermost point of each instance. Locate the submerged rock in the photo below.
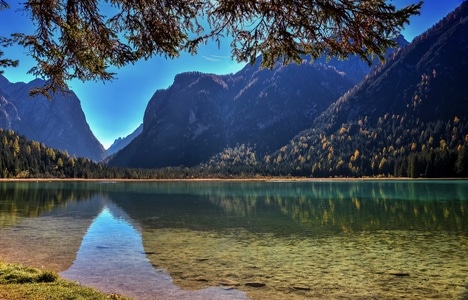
(301, 288)
(255, 284)
(398, 273)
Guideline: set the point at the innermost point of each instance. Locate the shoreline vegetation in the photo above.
(26, 159)
(257, 178)
(22, 282)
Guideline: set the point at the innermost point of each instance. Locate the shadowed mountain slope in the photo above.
(199, 115)
(408, 118)
(59, 123)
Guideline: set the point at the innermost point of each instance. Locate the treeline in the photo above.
(22, 158)
(394, 146)
(397, 147)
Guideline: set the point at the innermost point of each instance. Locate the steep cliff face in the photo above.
(182, 125)
(8, 113)
(59, 123)
(201, 114)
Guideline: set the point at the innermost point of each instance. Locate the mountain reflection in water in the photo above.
(274, 240)
(111, 258)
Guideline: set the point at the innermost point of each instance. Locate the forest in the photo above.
(395, 146)
(407, 119)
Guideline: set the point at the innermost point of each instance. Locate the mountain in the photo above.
(409, 117)
(59, 123)
(200, 114)
(354, 68)
(181, 125)
(121, 143)
(430, 70)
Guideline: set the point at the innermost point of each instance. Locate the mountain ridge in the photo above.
(400, 76)
(408, 118)
(201, 114)
(261, 108)
(122, 142)
(59, 123)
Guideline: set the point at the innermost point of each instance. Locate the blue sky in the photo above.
(114, 109)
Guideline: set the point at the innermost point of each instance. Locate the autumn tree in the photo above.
(82, 39)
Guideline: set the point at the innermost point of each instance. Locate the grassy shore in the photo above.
(20, 282)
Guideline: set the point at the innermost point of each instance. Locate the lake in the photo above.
(365, 239)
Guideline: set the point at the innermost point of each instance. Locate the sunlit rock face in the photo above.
(8, 112)
(59, 122)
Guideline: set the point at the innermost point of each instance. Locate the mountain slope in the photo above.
(432, 69)
(181, 126)
(202, 114)
(408, 118)
(59, 123)
(121, 143)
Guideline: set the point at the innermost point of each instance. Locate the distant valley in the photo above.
(122, 142)
(407, 117)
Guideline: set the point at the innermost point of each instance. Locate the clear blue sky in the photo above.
(114, 109)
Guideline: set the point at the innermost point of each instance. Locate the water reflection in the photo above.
(310, 208)
(20, 200)
(50, 239)
(111, 257)
(271, 239)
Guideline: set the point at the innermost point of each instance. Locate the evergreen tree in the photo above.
(77, 39)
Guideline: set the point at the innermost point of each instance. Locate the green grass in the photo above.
(20, 282)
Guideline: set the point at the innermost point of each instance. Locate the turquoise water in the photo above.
(237, 240)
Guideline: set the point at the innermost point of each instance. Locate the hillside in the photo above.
(59, 123)
(122, 142)
(408, 118)
(200, 115)
(22, 158)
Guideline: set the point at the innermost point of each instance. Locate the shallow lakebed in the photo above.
(237, 240)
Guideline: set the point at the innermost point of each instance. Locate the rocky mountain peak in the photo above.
(59, 123)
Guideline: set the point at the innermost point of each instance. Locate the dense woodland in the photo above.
(22, 158)
(397, 146)
(391, 145)
(408, 118)
(436, 149)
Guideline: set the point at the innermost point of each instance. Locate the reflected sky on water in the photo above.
(114, 248)
(147, 238)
